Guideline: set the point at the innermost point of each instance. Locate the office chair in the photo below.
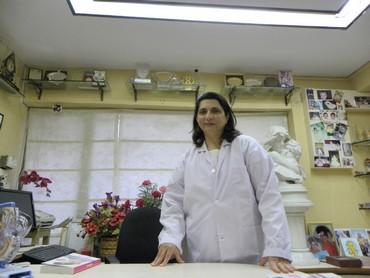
(138, 238)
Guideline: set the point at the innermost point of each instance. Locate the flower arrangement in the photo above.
(150, 195)
(33, 177)
(105, 219)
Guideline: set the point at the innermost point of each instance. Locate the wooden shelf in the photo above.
(40, 85)
(233, 91)
(9, 87)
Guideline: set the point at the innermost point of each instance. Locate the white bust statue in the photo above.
(285, 153)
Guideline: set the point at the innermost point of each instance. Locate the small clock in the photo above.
(8, 67)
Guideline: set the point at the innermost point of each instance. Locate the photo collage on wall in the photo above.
(331, 142)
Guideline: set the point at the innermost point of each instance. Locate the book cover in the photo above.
(69, 264)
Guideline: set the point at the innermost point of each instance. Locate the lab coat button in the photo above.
(213, 170)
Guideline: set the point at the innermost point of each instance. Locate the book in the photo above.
(69, 264)
(344, 261)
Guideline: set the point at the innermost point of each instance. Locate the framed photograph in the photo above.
(324, 94)
(329, 105)
(310, 94)
(285, 78)
(1, 119)
(35, 74)
(347, 149)
(350, 247)
(312, 228)
(325, 232)
(88, 76)
(363, 239)
(234, 79)
(322, 161)
(314, 104)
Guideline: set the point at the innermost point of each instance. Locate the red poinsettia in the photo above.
(33, 177)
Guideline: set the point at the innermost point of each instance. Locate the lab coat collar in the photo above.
(203, 148)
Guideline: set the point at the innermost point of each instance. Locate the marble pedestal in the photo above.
(296, 203)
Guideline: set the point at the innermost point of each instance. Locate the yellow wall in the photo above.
(12, 132)
(335, 193)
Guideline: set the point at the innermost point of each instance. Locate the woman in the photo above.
(222, 203)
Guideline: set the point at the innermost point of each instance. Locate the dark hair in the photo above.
(229, 132)
(325, 230)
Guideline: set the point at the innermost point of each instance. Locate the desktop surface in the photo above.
(187, 270)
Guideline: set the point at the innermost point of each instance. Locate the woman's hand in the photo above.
(166, 252)
(277, 264)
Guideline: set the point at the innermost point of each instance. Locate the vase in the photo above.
(105, 246)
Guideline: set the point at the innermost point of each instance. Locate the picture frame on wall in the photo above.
(1, 119)
(35, 74)
(285, 78)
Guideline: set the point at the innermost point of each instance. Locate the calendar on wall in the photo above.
(329, 129)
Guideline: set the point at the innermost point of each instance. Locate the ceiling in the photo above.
(45, 33)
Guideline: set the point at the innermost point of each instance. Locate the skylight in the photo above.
(221, 14)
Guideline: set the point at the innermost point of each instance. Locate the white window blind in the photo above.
(89, 152)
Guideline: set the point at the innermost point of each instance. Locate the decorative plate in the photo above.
(57, 76)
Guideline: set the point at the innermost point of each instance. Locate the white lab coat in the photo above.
(229, 212)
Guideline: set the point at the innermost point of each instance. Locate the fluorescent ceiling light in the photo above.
(221, 14)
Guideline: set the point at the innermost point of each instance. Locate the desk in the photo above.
(324, 267)
(174, 270)
(170, 271)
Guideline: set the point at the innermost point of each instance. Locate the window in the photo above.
(89, 152)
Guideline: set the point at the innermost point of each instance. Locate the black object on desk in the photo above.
(42, 254)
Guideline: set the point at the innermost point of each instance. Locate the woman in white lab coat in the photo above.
(222, 203)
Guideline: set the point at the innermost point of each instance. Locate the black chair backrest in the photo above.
(138, 238)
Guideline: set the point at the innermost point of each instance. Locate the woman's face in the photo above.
(211, 117)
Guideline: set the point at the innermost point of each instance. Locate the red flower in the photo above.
(139, 203)
(91, 228)
(36, 179)
(150, 195)
(127, 204)
(156, 194)
(114, 221)
(147, 182)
